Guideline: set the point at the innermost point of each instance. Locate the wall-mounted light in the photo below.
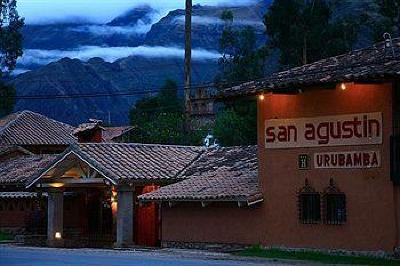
(261, 97)
(56, 185)
(114, 197)
(57, 235)
(343, 86)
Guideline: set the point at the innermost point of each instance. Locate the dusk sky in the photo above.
(98, 11)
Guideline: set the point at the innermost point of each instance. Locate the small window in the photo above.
(309, 202)
(335, 211)
(334, 205)
(310, 211)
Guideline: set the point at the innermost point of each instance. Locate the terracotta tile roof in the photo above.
(125, 163)
(18, 195)
(29, 128)
(8, 152)
(19, 170)
(221, 174)
(92, 124)
(376, 63)
(5, 148)
(111, 133)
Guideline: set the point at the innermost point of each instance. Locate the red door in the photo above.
(147, 221)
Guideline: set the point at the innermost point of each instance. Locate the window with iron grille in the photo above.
(310, 211)
(334, 205)
(335, 208)
(309, 202)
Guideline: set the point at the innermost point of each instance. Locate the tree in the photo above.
(305, 31)
(7, 96)
(160, 119)
(241, 61)
(10, 49)
(233, 128)
(389, 21)
(166, 101)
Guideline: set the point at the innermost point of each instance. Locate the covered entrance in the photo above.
(85, 208)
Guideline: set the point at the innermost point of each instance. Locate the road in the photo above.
(11, 255)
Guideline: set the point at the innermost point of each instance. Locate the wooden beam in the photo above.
(72, 182)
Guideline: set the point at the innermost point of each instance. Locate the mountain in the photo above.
(140, 14)
(207, 26)
(132, 75)
(128, 29)
(136, 27)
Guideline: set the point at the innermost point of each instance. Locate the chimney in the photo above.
(90, 132)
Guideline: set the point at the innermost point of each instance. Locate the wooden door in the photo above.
(147, 225)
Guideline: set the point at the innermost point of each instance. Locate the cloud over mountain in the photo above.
(98, 11)
(110, 54)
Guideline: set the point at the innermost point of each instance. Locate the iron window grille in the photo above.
(334, 205)
(309, 203)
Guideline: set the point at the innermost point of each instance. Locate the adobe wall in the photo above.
(17, 216)
(222, 223)
(370, 195)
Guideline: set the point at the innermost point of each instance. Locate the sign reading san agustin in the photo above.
(340, 130)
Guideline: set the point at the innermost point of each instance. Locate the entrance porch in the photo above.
(85, 208)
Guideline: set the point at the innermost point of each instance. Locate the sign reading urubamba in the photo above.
(353, 159)
(340, 130)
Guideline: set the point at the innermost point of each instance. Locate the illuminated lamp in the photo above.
(261, 97)
(56, 185)
(57, 235)
(114, 196)
(343, 86)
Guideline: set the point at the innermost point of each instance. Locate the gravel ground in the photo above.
(16, 255)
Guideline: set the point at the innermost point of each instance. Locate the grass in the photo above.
(315, 256)
(5, 236)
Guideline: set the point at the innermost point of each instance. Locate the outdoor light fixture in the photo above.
(261, 97)
(57, 235)
(56, 185)
(114, 196)
(343, 86)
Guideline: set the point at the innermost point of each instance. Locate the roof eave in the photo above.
(241, 201)
(61, 158)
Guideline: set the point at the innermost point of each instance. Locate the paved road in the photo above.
(10, 256)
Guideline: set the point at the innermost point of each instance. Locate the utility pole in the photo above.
(188, 60)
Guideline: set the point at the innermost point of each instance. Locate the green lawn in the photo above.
(5, 236)
(315, 256)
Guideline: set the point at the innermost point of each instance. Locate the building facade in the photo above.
(325, 168)
(328, 161)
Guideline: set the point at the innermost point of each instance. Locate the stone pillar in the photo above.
(125, 214)
(55, 218)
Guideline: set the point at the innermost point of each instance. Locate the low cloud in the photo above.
(18, 71)
(104, 30)
(207, 20)
(110, 54)
(100, 11)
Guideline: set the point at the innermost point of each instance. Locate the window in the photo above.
(335, 208)
(334, 205)
(309, 205)
(310, 208)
